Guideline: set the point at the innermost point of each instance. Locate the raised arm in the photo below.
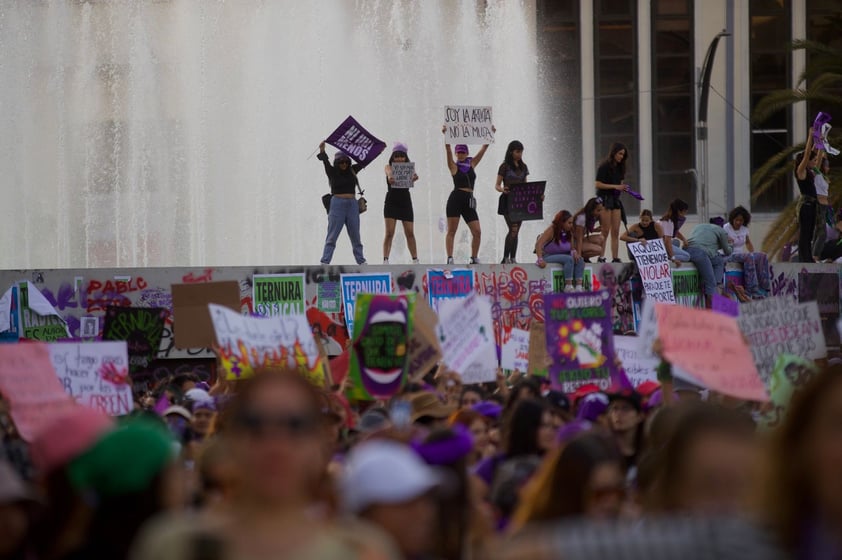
(451, 165)
(481, 152)
(801, 170)
(325, 160)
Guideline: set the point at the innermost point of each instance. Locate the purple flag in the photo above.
(635, 194)
(821, 128)
(356, 141)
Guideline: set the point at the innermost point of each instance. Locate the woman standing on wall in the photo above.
(461, 202)
(808, 204)
(398, 206)
(512, 171)
(343, 210)
(824, 217)
(609, 187)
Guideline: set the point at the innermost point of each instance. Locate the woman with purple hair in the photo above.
(398, 206)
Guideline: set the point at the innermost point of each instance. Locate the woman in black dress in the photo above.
(609, 187)
(398, 206)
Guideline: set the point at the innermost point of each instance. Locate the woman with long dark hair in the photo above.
(670, 223)
(555, 245)
(609, 186)
(808, 204)
(398, 206)
(588, 240)
(512, 171)
(344, 210)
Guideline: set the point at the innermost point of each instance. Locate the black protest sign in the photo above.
(141, 328)
(526, 201)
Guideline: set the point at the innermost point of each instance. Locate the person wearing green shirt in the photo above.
(706, 245)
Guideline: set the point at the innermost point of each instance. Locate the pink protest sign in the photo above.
(29, 382)
(711, 348)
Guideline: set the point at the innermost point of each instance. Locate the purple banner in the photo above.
(526, 201)
(356, 141)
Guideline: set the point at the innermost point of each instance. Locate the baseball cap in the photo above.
(384, 472)
(558, 400)
(461, 149)
(584, 390)
(593, 406)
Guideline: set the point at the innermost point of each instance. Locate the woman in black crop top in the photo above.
(808, 204)
(609, 186)
(461, 202)
(398, 206)
(344, 209)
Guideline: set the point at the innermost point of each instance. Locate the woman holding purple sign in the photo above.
(609, 187)
(555, 245)
(343, 209)
(512, 171)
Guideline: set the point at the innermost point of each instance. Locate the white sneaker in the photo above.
(416, 261)
(474, 260)
(579, 289)
(569, 288)
(449, 260)
(385, 261)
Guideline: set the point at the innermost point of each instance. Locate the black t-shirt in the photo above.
(341, 182)
(807, 186)
(610, 175)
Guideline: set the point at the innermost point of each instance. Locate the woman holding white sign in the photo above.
(512, 171)
(398, 205)
(555, 245)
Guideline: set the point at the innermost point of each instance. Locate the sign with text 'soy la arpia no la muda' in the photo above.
(245, 344)
(380, 351)
(579, 339)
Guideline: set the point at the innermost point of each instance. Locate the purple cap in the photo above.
(489, 409)
(341, 155)
(592, 407)
(400, 147)
(447, 451)
(461, 149)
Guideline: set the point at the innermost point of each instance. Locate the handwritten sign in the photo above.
(448, 284)
(353, 139)
(28, 381)
(466, 333)
(278, 294)
(402, 173)
(248, 343)
(353, 284)
(639, 367)
(711, 348)
(515, 352)
(95, 374)
(466, 124)
(655, 271)
(579, 339)
(526, 201)
(781, 325)
(141, 328)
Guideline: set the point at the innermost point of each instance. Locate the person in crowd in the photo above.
(344, 210)
(555, 245)
(593, 407)
(671, 223)
(559, 405)
(756, 275)
(805, 177)
(824, 216)
(586, 241)
(832, 248)
(625, 418)
(429, 411)
(525, 388)
(16, 515)
(647, 229)
(216, 471)
(471, 396)
(582, 479)
(461, 202)
(509, 483)
(609, 186)
(706, 246)
(398, 207)
(801, 489)
(512, 171)
(477, 426)
(449, 385)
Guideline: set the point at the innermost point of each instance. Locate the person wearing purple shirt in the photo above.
(555, 245)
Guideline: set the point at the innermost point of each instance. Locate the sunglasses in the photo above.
(258, 424)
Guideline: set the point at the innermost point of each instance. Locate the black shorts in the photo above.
(402, 213)
(610, 200)
(462, 203)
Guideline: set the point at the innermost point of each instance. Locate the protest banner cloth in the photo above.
(278, 294)
(579, 339)
(29, 383)
(402, 173)
(639, 367)
(247, 343)
(653, 263)
(9, 316)
(790, 374)
(95, 374)
(725, 305)
(538, 359)
(380, 350)
(353, 139)
(468, 124)
(526, 201)
(466, 333)
(448, 284)
(141, 328)
(780, 325)
(514, 354)
(38, 318)
(424, 347)
(192, 326)
(710, 347)
(353, 284)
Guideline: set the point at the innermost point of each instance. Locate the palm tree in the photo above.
(820, 85)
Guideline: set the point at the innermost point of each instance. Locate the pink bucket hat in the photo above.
(67, 437)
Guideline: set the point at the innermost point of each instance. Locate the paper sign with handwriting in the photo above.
(96, 374)
(639, 367)
(465, 124)
(710, 347)
(402, 173)
(515, 352)
(466, 333)
(653, 262)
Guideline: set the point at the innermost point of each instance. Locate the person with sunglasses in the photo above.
(344, 210)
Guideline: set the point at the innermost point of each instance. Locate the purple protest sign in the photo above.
(356, 141)
(725, 305)
(526, 201)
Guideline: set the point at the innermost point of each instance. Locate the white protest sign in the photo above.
(515, 352)
(96, 374)
(638, 367)
(466, 333)
(402, 173)
(654, 265)
(781, 325)
(465, 124)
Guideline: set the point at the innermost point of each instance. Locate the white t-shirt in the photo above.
(737, 238)
(821, 185)
(580, 220)
(668, 227)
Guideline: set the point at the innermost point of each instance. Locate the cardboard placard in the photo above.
(538, 356)
(192, 321)
(526, 201)
(467, 338)
(402, 173)
(515, 352)
(653, 263)
(639, 367)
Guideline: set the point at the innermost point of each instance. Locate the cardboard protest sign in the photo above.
(781, 325)
(538, 357)
(790, 374)
(356, 141)
(653, 262)
(515, 352)
(278, 294)
(710, 347)
(725, 305)
(639, 367)
(9, 316)
(579, 339)
(380, 354)
(402, 173)
(466, 333)
(38, 318)
(526, 201)
(353, 284)
(248, 343)
(141, 327)
(466, 124)
(95, 374)
(28, 381)
(424, 348)
(192, 321)
(448, 284)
